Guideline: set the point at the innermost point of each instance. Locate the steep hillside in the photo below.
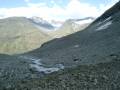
(18, 35)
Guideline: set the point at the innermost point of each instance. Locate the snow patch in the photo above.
(56, 25)
(106, 25)
(76, 46)
(106, 20)
(84, 21)
(43, 69)
(39, 20)
(36, 64)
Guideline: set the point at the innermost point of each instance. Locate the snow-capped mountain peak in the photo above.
(41, 23)
(39, 20)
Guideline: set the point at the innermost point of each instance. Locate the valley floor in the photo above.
(102, 76)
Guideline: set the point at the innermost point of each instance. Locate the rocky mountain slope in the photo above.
(88, 60)
(89, 46)
(97, 44)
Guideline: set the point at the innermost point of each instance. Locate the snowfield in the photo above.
(84, 21)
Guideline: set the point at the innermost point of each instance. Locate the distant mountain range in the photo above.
(41, 23)
(71, 26)
(55, 25)
(21, 34)
(18, 35)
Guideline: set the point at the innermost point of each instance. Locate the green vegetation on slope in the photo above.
(18, 35)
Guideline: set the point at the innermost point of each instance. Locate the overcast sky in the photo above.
(54, 9)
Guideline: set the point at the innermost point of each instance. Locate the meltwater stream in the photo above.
(36, 64)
